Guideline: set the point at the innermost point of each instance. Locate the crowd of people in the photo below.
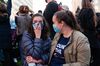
(55, 37)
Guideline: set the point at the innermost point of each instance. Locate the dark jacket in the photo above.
(37, 48)
(51, 8)
(86, 17)
(9, 7)
(22, 21)
(5, 35)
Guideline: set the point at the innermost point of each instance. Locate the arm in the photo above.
(46, 52)
(31, 47)
(83, 53)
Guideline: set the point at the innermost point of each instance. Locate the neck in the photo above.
(67, 32)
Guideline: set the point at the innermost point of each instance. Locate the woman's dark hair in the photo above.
(24, 9)
(67, 17)
(3, 8)
(45, 31)
(86, 17)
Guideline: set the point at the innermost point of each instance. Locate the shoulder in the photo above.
(26, 36)
(77, 35)
(4, 18)
(80, 40)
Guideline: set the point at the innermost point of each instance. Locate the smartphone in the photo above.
(31, 64)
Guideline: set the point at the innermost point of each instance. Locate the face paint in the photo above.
(37, 24)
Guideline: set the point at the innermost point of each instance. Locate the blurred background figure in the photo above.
(5, 36)
(98, 25)
(49, 11)
(40, 11)
(88, 23)
(22, 20)
(9, 7)
(65, 7)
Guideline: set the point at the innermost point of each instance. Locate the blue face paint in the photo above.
(37, 24)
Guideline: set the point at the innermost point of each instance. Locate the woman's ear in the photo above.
(62, 22)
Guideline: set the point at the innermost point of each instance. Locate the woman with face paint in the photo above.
(69, 46)
(35, 43)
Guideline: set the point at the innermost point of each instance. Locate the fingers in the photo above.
(29, 59)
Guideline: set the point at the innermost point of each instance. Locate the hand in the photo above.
(29, 59)
(37, 32)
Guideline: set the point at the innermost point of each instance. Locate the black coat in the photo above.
(51, 8)
(5, 34)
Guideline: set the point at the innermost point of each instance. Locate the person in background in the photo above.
(22, 20)
(98, 26)
(64, 7)
(69, 46)
(88, 24)
(49, 11)
(5, 37)
(9, 7)
(88, 4)
(35, 43)
(40, 11)
(31, 13)
(88, 28)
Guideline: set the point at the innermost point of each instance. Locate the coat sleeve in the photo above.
(33, 48)
(46, 50)
(83, 53)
